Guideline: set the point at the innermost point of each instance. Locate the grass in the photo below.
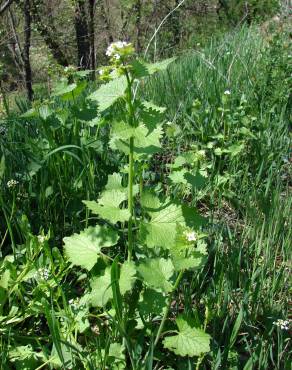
(59, 160)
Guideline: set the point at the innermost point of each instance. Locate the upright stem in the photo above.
(131, 169)
(130, 196)
(161, 326)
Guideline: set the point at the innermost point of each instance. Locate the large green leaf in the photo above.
(108, 205)
(159, 66)
(160, 231)
(141, 69)
(107, 94)
(156, 273)
(101, 286)
(152, 303)
(83, 249)
(127, 276)
(188, 341)
(101, 289)
(146, 142)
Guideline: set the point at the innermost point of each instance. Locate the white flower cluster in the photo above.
(227, 92)
(283, 324)
(42, 273)
(12, 183)
(191, 236)
(41, 239)
(114, 49)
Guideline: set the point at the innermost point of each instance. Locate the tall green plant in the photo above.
(144, 242)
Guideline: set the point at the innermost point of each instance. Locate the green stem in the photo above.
(130, 197)
(131, 112)
(161, 326)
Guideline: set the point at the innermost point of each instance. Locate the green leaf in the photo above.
(178, 177)
(149, 201)
(101, 289)
(188, 341)
(156, 273)
(127, 277)
(108, 205)
(83, 249)
(107, 94)
(102, 286)
(116, 350)
(141, 69)
(63, 88)
(145, 142)
(159, 66)
(152, 303)
(186, 261)
(160, 231)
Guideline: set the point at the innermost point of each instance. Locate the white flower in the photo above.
(227, 92)
(101, 72)
(12, 183)
(41, 239)
(42, 273)
(191, 236)
(283, 324)
(114, 48)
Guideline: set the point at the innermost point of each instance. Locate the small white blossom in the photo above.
(191, 236)
(282, 324)
(12, 183)
(42, 273)
(101, 72)
(227, 92)
(41, 239)
(115, 47)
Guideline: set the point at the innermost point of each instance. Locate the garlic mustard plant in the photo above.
(143, 242)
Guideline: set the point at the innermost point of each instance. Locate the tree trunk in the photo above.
(48, 36)
(91, 37)
(138, 8)
(105, 18)
(26, 50)
(82, 39)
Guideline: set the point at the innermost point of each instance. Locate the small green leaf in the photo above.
(83, 249)
(188, 341)
(107, 94)
(156, 273)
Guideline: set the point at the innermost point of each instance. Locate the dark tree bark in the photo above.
(176, 25)
(106, 22)
(49, 36)
(26, 50)
(15, 46)
(91, 28)
(138, 11)
(82, 39)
